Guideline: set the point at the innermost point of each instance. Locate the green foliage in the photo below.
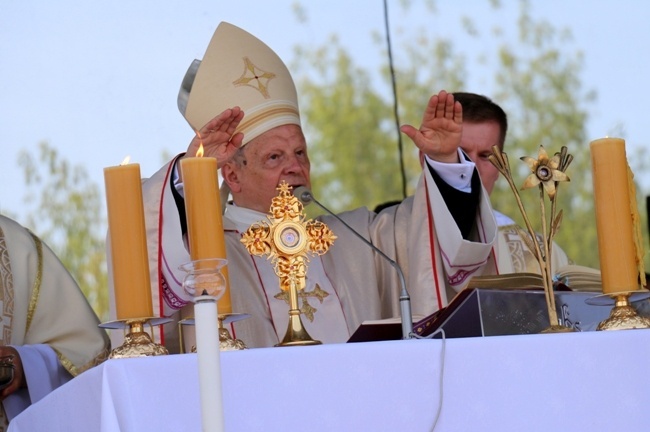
(67, 208)
(537, 81)
(540, 89)
(348, 160)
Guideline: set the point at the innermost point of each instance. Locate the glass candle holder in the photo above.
(204, 277)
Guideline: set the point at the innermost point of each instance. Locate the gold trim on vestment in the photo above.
(7, 291)
(74, 370)
(6, 288)
(36, 289)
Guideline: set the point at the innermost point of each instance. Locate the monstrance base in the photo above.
(296, 333)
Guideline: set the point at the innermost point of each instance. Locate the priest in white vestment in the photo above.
(242, 101)
(485, 125)
(47, 324)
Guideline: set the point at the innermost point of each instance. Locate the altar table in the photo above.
(591, 381)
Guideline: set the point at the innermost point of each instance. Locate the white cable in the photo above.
(442, 370)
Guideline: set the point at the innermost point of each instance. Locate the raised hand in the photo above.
(442, 124)
(218, 136)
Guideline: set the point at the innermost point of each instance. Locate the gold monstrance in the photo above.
(287, 240)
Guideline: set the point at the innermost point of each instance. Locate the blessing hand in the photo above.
(440, 132)
(217, 136)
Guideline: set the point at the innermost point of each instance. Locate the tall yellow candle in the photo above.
(203, 211)
(128, 242)
(613, 200)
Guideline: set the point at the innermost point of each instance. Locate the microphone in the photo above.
(305, 196)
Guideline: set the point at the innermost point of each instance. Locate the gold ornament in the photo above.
(287, 239)
(545, 171)
(546, 174)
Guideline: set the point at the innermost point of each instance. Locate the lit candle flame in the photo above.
(126, 160)
(200, 151)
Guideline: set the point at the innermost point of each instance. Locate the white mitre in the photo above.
(239, 70)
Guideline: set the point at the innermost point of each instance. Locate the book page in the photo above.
(573, 276)
(580, 278)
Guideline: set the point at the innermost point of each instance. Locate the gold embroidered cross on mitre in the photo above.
(287, 239)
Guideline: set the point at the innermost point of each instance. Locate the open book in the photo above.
(570, 277)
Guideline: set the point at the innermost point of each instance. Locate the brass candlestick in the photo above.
(623, 316)
(205, 277)
(137, 342)
(287, 239)
(226, 341)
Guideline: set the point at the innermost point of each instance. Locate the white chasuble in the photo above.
(44, 315)
(436, 260)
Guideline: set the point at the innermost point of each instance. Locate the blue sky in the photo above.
(98, 80)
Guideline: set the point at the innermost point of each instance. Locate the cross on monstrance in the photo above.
(287, 239)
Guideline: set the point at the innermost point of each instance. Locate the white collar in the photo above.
(242, 217)
(502, 220)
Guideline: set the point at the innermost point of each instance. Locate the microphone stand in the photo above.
(305, 196)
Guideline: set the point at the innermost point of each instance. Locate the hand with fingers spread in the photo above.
(218, 136)
(440, 133)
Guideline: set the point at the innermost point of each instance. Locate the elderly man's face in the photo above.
(477, 141)
(276, 155)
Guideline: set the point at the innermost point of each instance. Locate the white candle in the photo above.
(207, 348)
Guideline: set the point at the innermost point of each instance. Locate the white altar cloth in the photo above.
(592, 381)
